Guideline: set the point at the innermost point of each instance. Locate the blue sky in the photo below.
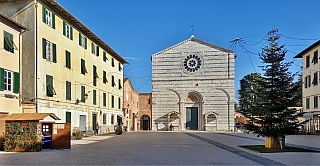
(136, 29)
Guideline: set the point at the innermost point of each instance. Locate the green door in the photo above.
(192, 118)
(94, 121)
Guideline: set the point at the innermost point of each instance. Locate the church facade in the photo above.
(193, 87)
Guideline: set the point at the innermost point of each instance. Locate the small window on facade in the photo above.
(105, 80)
(112, 101)
(49, 50)
(315, 102)
(68, 90)
(120, 84)
(94, 49)
(83, 67)
(104, 119)
(309, 81)
(48, 17)
(9, 81)
(94, 96)
(315, 57)
(82, 41)
(119, 103)
(67, 30)
(8, 43)
(307, 61)
(83, 92)
(68, 61)
(49, 85)
(307, 103)
(112, 80)
(105, 58)
(315, 78)
(95, 75)
(112, 62)
(112, 119)
(104, 99)
(120, 68)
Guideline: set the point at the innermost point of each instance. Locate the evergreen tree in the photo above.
(269, 114)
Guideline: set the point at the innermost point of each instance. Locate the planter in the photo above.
(274, 143)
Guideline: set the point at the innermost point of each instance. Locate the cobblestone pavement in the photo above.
(168, 148)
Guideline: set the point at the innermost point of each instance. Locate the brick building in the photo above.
(137, 108)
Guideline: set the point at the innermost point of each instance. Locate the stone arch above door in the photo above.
(192, 97)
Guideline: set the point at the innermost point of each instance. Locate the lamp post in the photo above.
(128, 118)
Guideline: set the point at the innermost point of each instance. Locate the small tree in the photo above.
(269, 113)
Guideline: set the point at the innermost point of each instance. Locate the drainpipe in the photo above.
(36, 58)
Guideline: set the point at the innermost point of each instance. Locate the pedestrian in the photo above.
(97, 128)
(171, 127)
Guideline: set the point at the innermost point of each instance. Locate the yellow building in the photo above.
(311, 86)
(67, 69)
(10, 53)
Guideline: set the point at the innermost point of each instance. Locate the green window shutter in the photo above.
(104, 99)
(71, 33)
(68, 62)
(82, 93)
(80, 39)
(54, 53)
(68, 90)
(64, 28)
(97, 50)
(112, 101)
(44, 48)
(43, 14)
(16, 82)
(68, 117)
(85, 43)
(53, 21)
(1, 79)
(94, 97)
(49, 85)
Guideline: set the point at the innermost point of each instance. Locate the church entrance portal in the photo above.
(145, 122)
(192, 118)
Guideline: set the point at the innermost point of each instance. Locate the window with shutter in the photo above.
(49, 85)
(119, 103)
(95, 75)
(315, 78)
(8, 80)
(67, 30)
(83, 94)
(83, 67)
(112, 81)
(105, 80)
(120, 84)
(112, 101)
(8, 43)
(68, 62)
(94, 97)
(105, 58)
(307, 61)
(112, 62)
(307, 103)
(48, 17)
(315, 102)
(104, 99)
(49, 51)
(68, 90)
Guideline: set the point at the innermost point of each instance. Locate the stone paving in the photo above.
(168, 148)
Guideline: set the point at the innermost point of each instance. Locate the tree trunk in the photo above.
(274, 142)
